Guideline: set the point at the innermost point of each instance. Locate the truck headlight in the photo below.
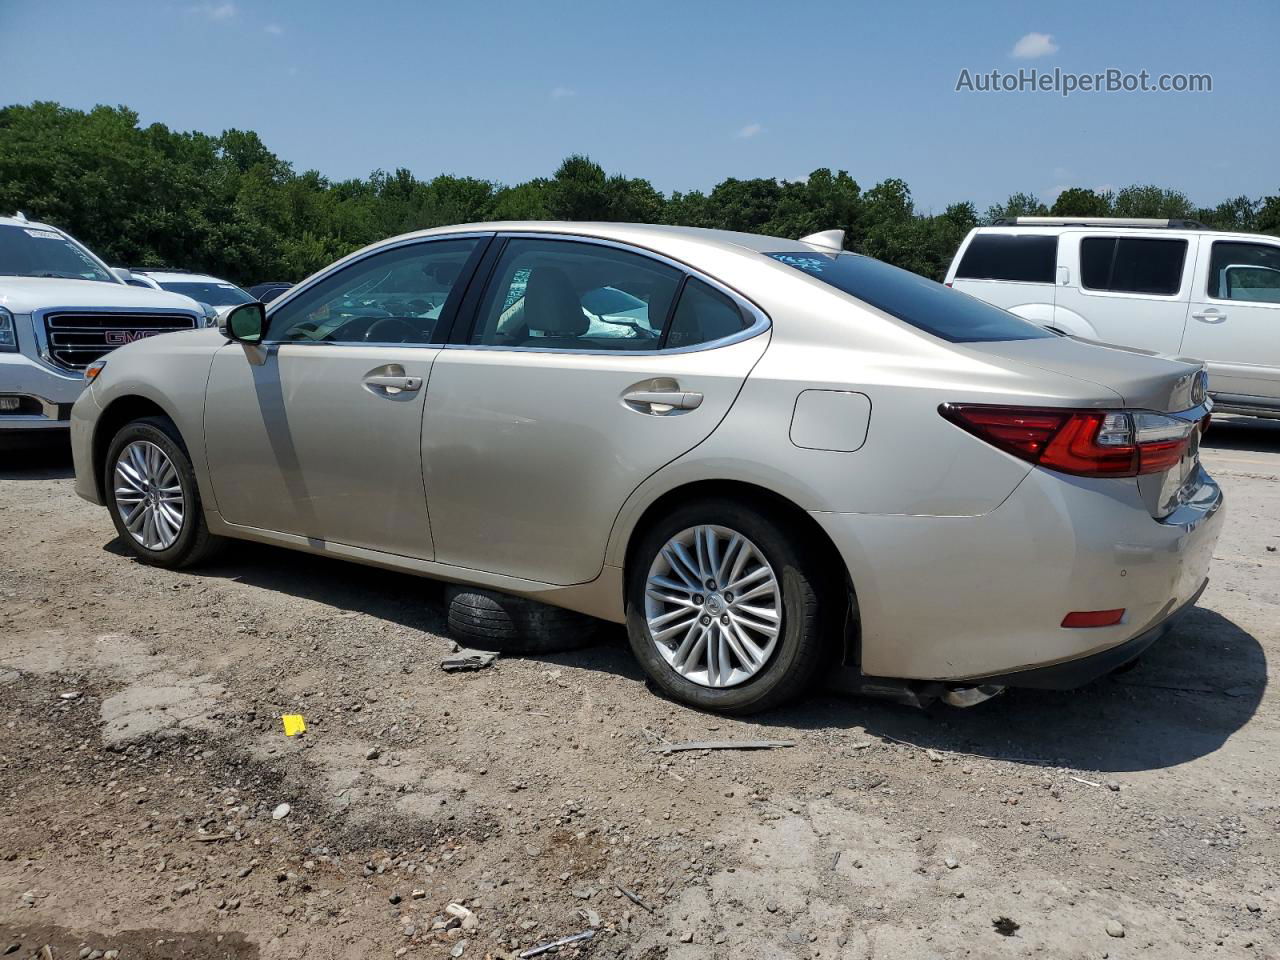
(8, 332)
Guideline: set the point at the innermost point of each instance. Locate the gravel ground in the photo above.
(151, 804)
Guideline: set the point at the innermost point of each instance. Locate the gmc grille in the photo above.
(76, 339)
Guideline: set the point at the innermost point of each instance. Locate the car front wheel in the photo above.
(152, 495)
(726, 611)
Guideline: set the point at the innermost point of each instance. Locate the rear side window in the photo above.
(1007, 256)
(570, 296)
(703, 314)
(1244, 271)
(1132, 264)
(913, 299)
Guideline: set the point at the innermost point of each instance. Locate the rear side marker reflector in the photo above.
(1085, 443)
(1093, 618)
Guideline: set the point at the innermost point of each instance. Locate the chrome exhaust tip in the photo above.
(970, 696)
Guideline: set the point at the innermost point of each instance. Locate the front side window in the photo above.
(913, 299)
(1244, 271)
(1023, 258)
(395, 296)
(36, 252)
(1132, 265)
(566, 295)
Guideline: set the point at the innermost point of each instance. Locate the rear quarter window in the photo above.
(1021, 258)
(1132, 265)
(913, 299)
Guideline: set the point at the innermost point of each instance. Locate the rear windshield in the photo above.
(923, 303)
(213, 293)
(1024, 258)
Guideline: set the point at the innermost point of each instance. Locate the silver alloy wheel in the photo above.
(714, 606)
(149, 495)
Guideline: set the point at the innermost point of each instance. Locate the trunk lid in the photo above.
(1144, 380)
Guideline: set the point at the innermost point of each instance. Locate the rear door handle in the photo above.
(1212, 315)
(662, 401)
(389, 383)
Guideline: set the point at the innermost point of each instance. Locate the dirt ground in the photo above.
(143, 770)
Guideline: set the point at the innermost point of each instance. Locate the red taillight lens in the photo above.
(1086, 443)
(1093, 618)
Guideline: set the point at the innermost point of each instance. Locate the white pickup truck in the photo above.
(61, 308)
(1169, 286)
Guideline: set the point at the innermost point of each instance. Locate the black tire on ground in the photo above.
(813, 608)
(489, 620)
(195, 543)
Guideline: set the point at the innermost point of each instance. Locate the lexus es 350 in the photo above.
(766, 457)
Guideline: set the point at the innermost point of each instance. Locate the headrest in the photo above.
(551, 307)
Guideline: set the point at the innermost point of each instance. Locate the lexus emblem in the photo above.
(1200, 388)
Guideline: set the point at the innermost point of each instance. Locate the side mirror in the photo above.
(122, 274)
(245, 322)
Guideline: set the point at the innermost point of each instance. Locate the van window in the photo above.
(1025, 258)
(1132, 264)
(919, 301)
(1244, 271)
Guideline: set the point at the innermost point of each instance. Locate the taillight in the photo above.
(1086, 443)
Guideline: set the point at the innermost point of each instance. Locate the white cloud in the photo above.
(749, 131)
(274, 29)
(1034, 45)
(559, 93)
(214, 11)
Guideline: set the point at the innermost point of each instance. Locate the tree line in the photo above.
(225, 204)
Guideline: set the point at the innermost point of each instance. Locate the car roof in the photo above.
(1058, 229)
(33, 224)
(180, 276)
(657, 237)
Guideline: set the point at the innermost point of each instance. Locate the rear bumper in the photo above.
(965, 600)
(1085, 670)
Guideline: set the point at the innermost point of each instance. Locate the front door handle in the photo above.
(1212, 315)
(390, 383)
(662, 401)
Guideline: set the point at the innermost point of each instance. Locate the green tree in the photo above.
(1018, 205)
(1081, 202)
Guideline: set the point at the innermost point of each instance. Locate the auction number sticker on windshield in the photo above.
(44, 234)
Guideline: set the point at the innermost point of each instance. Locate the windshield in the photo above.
(33, 252)
(213, 292)
(914, 299)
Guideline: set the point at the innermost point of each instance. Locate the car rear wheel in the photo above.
(152, 495)
(726, 611)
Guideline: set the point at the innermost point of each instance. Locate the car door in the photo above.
(546, 416)
(317, 432)
(1235, 317)
(1132, 286)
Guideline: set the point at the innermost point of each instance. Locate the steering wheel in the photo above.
(391, 330)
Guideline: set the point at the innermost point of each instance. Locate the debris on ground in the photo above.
(467, 659)
(723, 745)
(557, 944)
(635, 899)
(1005, 926)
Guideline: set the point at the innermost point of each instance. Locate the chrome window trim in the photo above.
(760, 321)
(41, 334)
(350, 260)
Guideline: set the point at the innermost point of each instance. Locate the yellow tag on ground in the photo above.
(293, 724)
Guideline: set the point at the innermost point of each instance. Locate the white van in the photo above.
(1169, 286)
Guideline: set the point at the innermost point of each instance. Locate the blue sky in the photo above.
(683, 93)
